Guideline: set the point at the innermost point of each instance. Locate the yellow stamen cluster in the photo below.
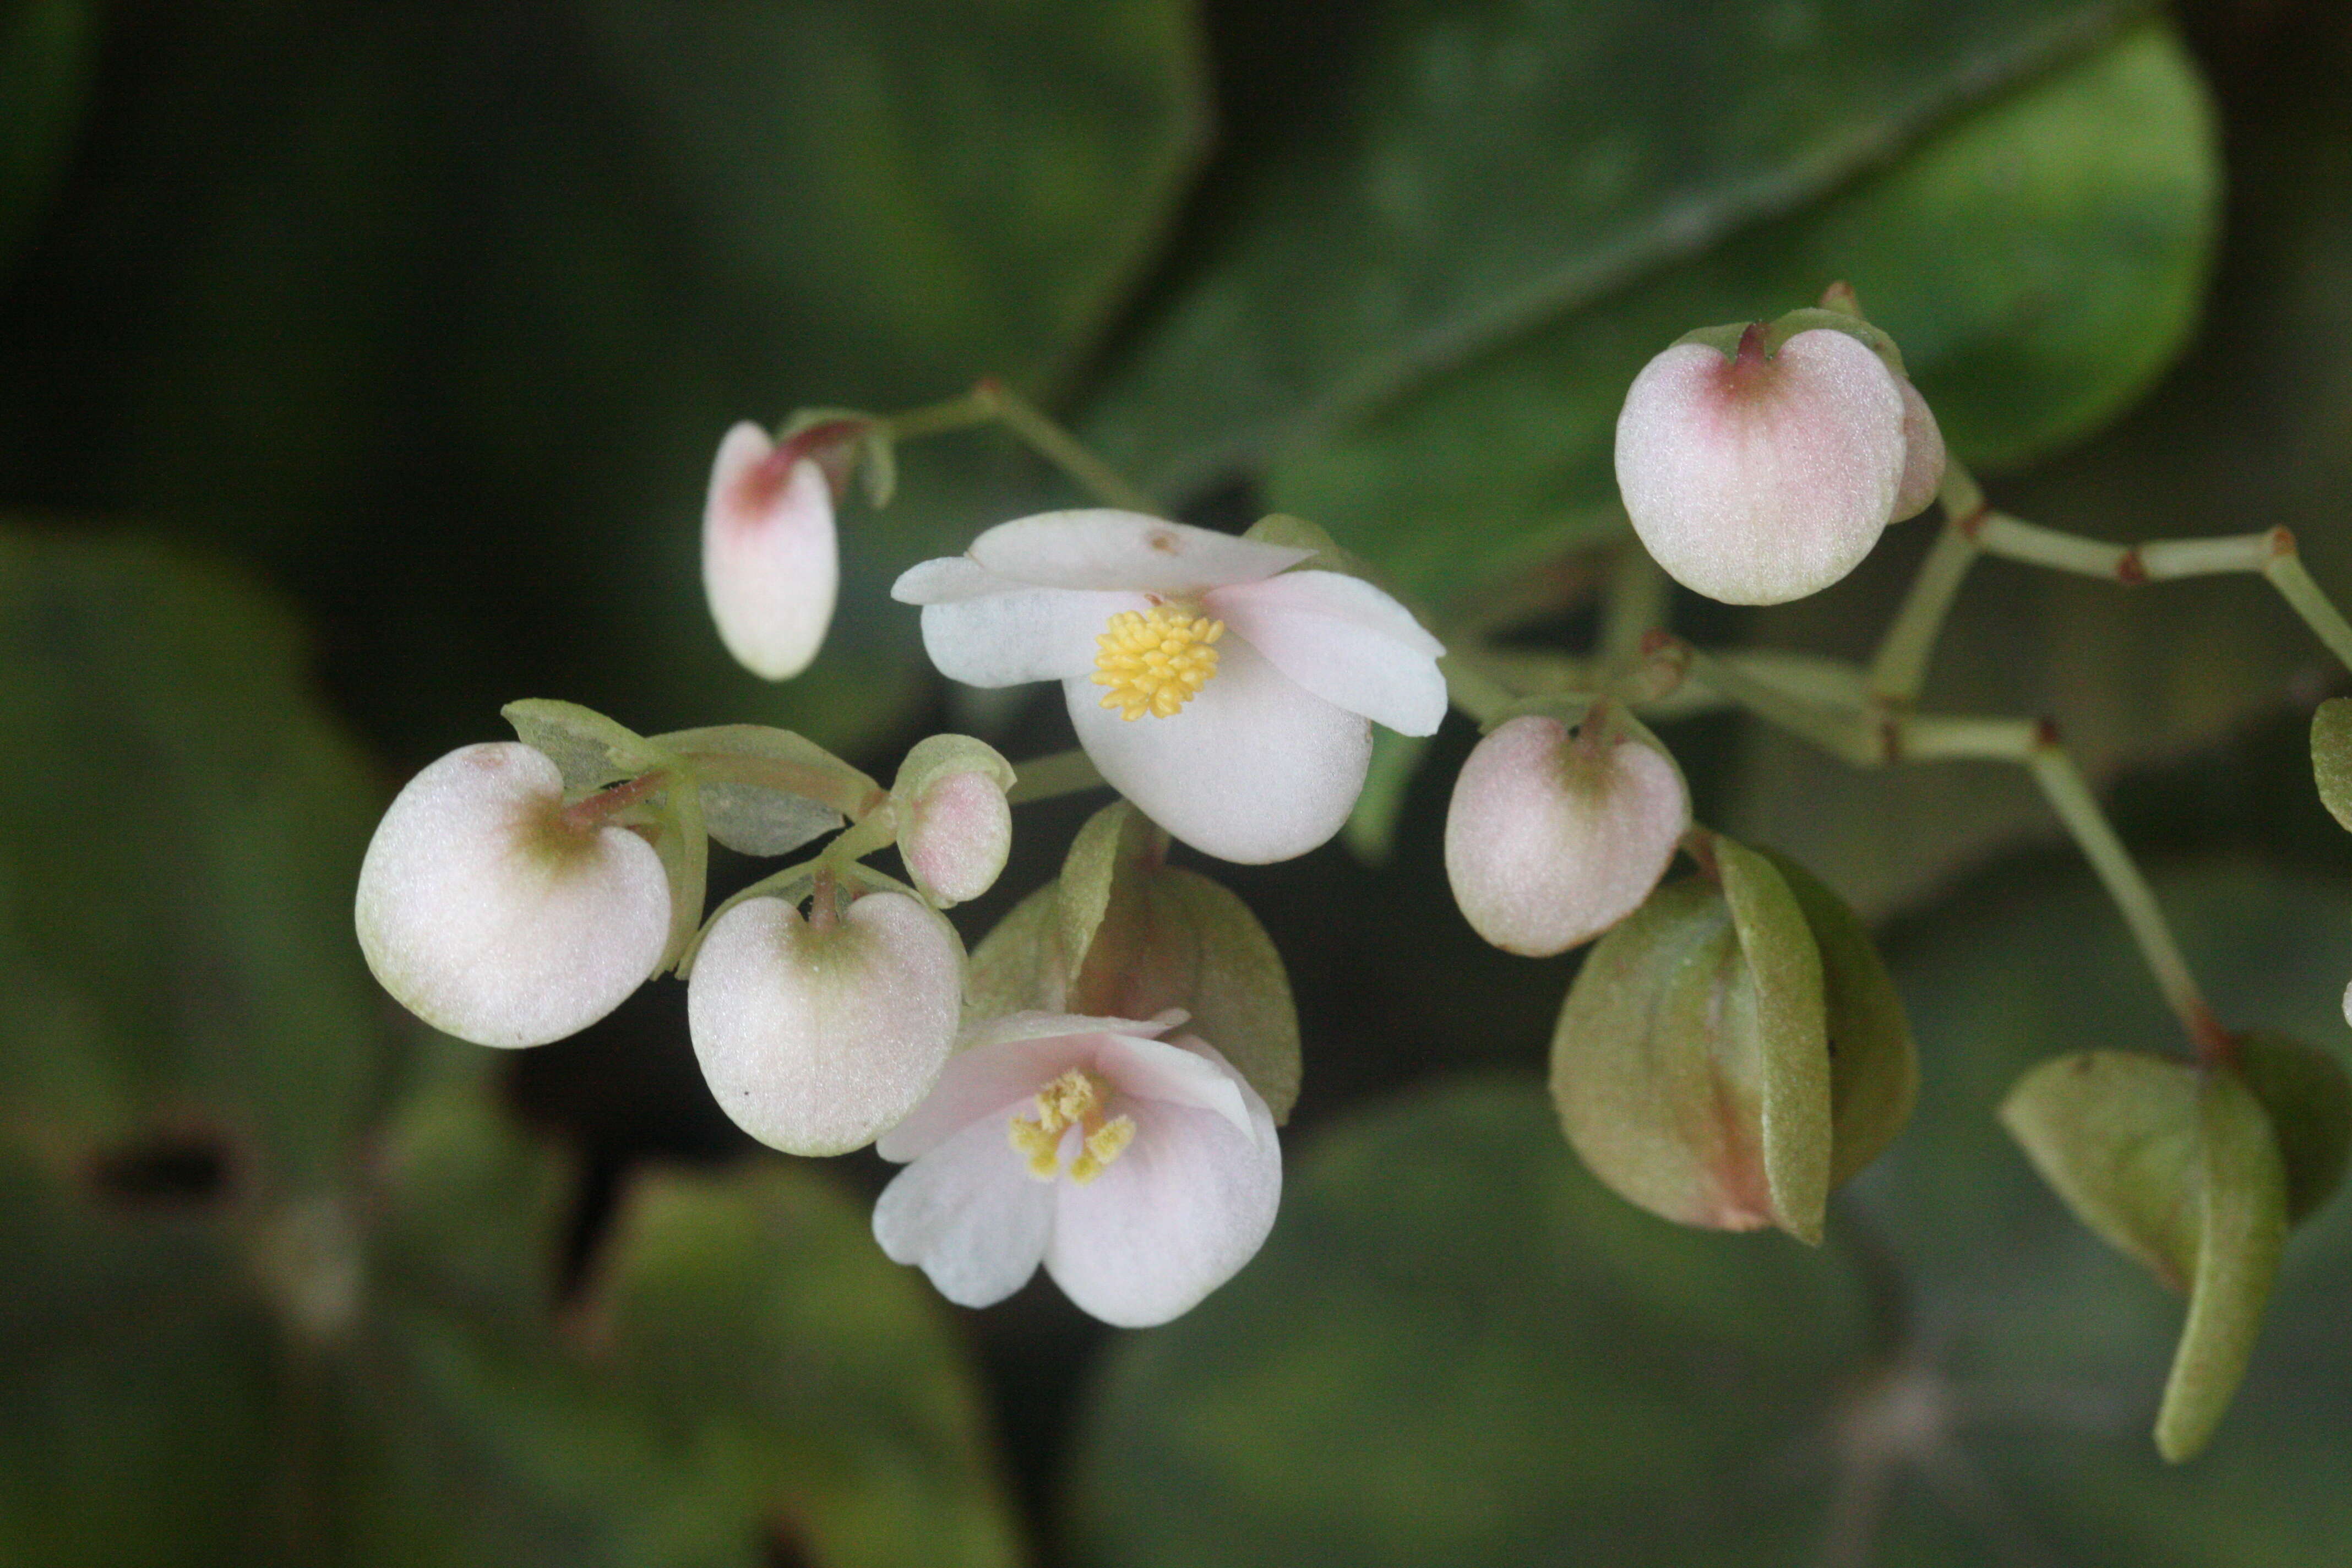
(1156, 663)
(1074, 1099)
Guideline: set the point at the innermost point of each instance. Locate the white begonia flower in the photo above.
(494, 915)
(815, 1035)
(1756, 479)
(1550, 838)
(1142, 1172)
(1228, 697)
(771, 566)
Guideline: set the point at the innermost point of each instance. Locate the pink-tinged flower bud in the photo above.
(1757, 478)
(815, 1035)
(1555, 835)
(770, 563)
(1923, 454)
(955, 825)
(491, 913)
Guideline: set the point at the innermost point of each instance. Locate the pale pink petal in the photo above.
(1344, 640)
(1253, 769)
(771, 567)
(1923, 456)
(1549, 841)
(970, 1215)
(1188, 1202)
(1102, 548)
(955, 837)
(487, 919)
(816, 1039)
(1758, 482)
(947, 579)
(1175, 1072)
(1028, 634)
(999, 1066)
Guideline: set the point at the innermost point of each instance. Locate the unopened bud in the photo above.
(769, 564)
(1923, 454)
(1757, 477)
(815, 1035)
(1557, 833)
(491, 913)
(955, 827)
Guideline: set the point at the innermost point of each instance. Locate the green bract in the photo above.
(1124, 934)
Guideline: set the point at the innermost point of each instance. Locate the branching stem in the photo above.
(990, 401)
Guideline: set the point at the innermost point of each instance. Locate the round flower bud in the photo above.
(1756, 479)
(957, 834)
(1923, 454)
(815, 1035)
(1554, 835)
(769, 564)
(955, 825)
(491, 917)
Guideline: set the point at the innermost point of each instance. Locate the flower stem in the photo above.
(1899, 668)
(992, 402)
(1063, 772)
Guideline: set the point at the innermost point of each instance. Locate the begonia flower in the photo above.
(1755, 478)
(1141, 1170)
(770, 565)
(814, 1035)
(1229, 697)
(496, 915)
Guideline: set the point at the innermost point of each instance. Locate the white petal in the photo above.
(1344, 640)
(948, 579)
(1253, 769)
(491, 923)
(771, 567)
(1177, 1072)
(999, 1066)
(1106, 548)
(1029, 634)
(1758, 483)
(814, 1041)
(970, 1215)
(955, 837)
(1188, 1202)
(1549, 842)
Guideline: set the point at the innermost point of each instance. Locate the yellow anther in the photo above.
(1074, 1099)
(1156, 663)
(1103, 1145)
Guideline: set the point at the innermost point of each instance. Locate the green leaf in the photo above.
(1424, 321)
(282, 1292)
(2038, 268)
(589, 750)
(47, 50)
(2331, 757)
(1458, 1347)
(796, 1374)
(1690, 1064)
(766, 790)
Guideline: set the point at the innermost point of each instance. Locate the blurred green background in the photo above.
(361, 362)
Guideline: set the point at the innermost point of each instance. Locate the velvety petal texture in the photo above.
(1255, 769)
(770, 565)
(490, 918)
(1240, 692)
(1100, 548)
(814, 1039)
(1755, 480)
(956, 837)
(1184, 1200)
(1922, 455)
(1551, 840)
(1345, 641)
